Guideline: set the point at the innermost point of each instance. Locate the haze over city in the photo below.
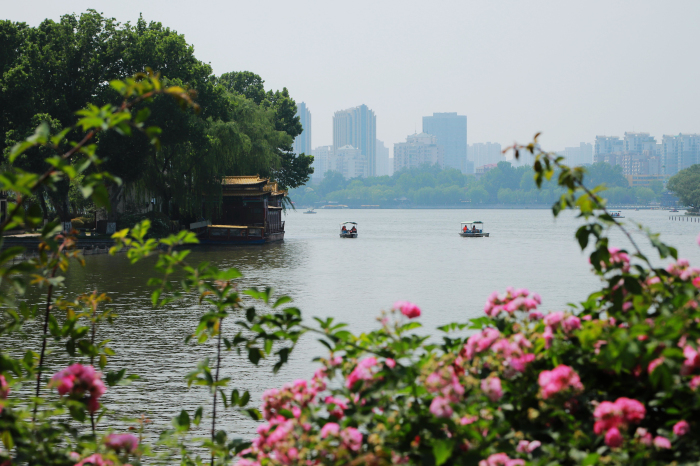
(571, 71)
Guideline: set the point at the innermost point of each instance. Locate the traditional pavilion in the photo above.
(251, 212)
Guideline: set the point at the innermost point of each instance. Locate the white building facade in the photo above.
(419, 149)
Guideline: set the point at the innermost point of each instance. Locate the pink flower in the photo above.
(560, 379)
(122, 442)
(662, 442)
(681, 428)
(520, 363)
(621, 413)
(4, 388)
(352, 438)
(480, 342)
(654, 364)
(513, 300)
(94, 460)
(440, 407)
(331, 428)
(361, 372)
(553, 319)
(390, 363)
(528, 447)
(570, 324)
(339, 406)
(492, 388)
(644, 436)
(466, 420)
(80, 381)
(501, 459)
(613, 438)
(535, 315)
(695, 382)
(692, 359)
(408, 309)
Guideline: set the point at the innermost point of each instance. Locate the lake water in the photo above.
(414, 255)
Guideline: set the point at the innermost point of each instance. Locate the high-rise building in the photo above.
(382, 159)
(302, 143)
(450, 130)
(323, 158)
(350, 162)
(605, 145)
(679, 152)
(581, 155)
(637, 143)
(419, 149)
(485, 153)
(357, 127)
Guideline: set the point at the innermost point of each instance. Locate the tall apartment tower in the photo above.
(605, 145)
(485, 153)
(679, 152)
(302, 143)
(357, 127)
(451, 132)
(382, 168)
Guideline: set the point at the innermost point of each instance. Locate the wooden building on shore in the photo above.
(250, 213)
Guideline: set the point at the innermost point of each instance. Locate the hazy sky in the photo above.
(571, 70)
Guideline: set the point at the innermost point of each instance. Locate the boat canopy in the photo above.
(345, 223)
(471, 222)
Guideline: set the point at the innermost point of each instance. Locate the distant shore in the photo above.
(484, 206)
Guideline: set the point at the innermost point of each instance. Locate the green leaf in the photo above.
(442, 450)
(244, 399)
(282, 300)
(113, 378)
(198, 416)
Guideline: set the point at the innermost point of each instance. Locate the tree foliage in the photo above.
(686, 185)
(55, 69)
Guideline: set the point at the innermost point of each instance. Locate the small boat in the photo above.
(673, 210)
(616, 214)
(473, 229)
(348, 233)
(310, 211)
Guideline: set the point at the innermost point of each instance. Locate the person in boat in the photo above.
(465, 229)
(473, 228)
(353, 230)
(344, 230)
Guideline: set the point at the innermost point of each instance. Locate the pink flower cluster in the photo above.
(363, 371)
(350, 437)
(408, 309)
(80, 381)
(480, 342)
(300, 393)
(528, 447)
(513, 300)
(444, 383)
(514, 353)
(692, 359)
(559, 320)
(127, 443)
(611, 417)
(491, 386)
(645, 438)
(277, 440)
(682, 269)
(560, 380)
(4, 389)
(94, 460)
(617, 257)
(501, 459)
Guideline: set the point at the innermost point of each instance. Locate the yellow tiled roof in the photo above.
(243, 180)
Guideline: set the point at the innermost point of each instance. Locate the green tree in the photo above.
(686, 185)
(604, 173)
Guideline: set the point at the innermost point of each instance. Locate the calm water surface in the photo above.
(413, 255)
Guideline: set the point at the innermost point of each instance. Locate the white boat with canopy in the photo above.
(472, 229)
(348, 231)
(616, 214)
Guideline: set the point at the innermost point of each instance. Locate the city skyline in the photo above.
(515, 68)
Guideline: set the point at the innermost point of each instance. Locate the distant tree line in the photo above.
(433, 186)
(49, 72)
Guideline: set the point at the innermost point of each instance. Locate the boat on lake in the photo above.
(616, 214)
(348, 232)
(310, 211)
(473, 229)
(250, 213)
